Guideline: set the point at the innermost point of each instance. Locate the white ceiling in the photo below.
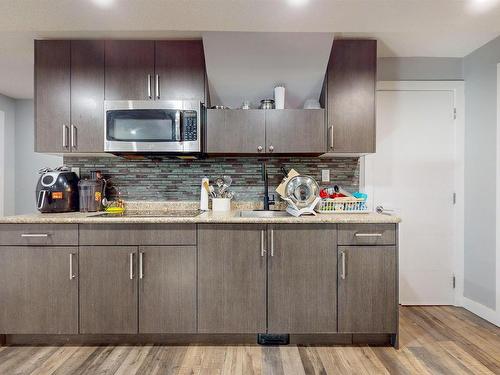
(441, 28)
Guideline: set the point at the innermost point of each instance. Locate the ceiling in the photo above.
(431, 28)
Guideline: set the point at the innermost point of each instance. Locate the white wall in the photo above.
(28, 163)
(420, 69)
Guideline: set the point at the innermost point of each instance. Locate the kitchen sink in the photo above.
(264, 214)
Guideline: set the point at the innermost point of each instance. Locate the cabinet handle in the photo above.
(131, 260)
(368, 234)
(65, 136)
(157, 86)
(330, 130)
(71, 274)
(30, 235)
(271, 148)
(342, 272)
(259, 148)
(74, 134)
(141, 266)
(149, 87)
(262, 240)
(272, 242)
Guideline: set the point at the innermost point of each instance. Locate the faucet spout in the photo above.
(265, 178)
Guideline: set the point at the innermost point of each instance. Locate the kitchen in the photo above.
(246, 199)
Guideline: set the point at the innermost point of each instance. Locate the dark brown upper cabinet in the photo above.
(129, 69)
(87, 96)
(69, 94)
(349, 96)
(179, 70)
(52, 95)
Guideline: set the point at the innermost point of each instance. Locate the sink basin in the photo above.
(264, 214)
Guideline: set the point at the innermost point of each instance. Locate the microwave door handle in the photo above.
(178, 125)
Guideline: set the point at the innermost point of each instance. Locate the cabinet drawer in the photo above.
(367, 234)
(39, 234)
(138, 234)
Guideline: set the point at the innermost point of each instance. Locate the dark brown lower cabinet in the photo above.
(38, 290)
(167, 289)
(108, 289)
(367, 300)
(302, 282)
(232, 269)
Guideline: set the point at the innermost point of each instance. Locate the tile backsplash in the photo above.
(167, 179)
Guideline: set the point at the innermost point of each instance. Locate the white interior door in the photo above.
(2, 162)
(413, 172)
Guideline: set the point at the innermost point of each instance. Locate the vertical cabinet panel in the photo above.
(167, 289)
(108, 289)
(295, 131)
(302, 286)
(128, 64)
(37, 293)
(236, 131)
(350, 96)
(367, 301)
(231, 279)
(52, 95)
(180, 70)
(87, 96)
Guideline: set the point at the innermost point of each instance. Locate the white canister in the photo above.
(279, 97)
(221, 204)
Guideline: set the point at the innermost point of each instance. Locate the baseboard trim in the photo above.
(484, 312)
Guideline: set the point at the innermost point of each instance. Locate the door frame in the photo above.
(458, 89)
(2, 163)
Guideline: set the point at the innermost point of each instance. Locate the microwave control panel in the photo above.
(190, 126)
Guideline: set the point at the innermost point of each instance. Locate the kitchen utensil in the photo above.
(267, 104)
(245, 105)
(284, 172)
(204, 194)
(279, 97)
(302, 191)
(227, 180)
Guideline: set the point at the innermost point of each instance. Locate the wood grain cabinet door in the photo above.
(179, 70)
(302, 278)
(129, 69)
(236, 131)
(87, 96)
(295, 131)
(367, 301)
(38, 290)
(52, 95)
(108, 289)
(167, 289)
(231, 278)
(350, 96)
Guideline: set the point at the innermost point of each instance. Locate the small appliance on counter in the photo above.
(57, 190)
(92, 193)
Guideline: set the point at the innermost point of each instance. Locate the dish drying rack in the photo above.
(344, 205)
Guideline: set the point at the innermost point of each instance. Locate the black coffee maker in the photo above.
(57, 190)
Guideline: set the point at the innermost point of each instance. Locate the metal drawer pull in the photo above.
(342, 273)
(157, 86)
(141, 266)
(149, 87)
(65, 136)
(330, 129)
(131, 260)
(368, 234)
(71, 274)
(34, 235)
(74, 135)
(262, 239)
(272, 242)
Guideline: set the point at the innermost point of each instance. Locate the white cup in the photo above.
(221, 204)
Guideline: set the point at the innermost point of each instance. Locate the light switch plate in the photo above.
(325, 175)
(76, 170)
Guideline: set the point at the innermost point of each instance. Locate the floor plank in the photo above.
(433, 340)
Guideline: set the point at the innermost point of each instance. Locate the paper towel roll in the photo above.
(279, 97)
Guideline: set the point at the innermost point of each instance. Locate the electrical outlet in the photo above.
(76, 170)
(325, 175)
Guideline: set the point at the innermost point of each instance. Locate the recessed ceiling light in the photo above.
(297, 3)
(103, 3)
(481, 6)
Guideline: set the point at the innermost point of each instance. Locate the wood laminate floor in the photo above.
(434, 340)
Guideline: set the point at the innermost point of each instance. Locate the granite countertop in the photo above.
(205, 217)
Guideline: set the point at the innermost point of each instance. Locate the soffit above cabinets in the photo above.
(247, 65)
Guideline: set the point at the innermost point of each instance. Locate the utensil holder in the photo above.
(221, 204)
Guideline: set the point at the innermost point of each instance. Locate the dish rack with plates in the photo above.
(347, 205)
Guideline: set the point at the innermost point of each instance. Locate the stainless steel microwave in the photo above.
(147, 126)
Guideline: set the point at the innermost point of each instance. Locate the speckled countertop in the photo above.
(204, 217)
